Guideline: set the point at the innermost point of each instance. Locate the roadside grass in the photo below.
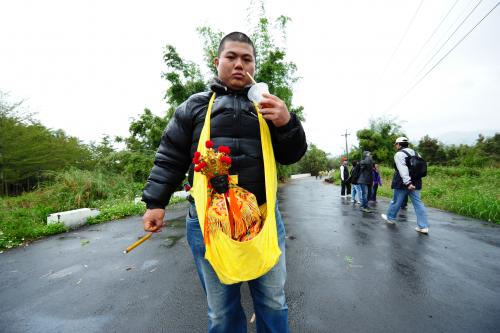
(23, 218)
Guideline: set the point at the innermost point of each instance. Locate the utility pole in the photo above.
(346, 149)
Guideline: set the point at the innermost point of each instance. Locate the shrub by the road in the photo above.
(23, 218)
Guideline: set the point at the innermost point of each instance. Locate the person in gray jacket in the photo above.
(365, 179)
(403, 185)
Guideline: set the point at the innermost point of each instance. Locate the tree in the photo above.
(489, 146)
(314, 161)
(29, 150)
(378, 139)
(145, 133)
(431, 149)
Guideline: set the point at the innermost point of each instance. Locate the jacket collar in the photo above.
(217, 86)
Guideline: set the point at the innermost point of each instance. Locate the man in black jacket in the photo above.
(234, 123)
(365, 179)
(344, 179)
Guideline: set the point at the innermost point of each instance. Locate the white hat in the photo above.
(401, 139)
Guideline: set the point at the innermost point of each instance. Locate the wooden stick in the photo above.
(139, 242)
(251, 78)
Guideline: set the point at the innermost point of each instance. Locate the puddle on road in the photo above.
(65, 272)
(149, 264)
(170, 241)
(68, 237)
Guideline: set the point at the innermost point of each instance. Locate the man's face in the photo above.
(235, 60)
(396, 146)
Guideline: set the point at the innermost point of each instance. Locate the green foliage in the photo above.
(378, 139)
(28, 150)
(431, 149)
(314, 161)
(285, 171)
(24, 217)
(145, 132)
(184, 78)
(463, 190)
(117, 209)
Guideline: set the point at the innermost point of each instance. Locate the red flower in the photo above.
(209, 144)
(196, 158)
(226, 159)
(224, 149)
(200, 166)
(187, 187)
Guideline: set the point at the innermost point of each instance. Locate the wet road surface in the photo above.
(347, 272)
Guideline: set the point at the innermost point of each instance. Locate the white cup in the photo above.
(256, 91)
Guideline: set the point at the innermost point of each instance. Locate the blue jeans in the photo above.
(397, 200)
(225, 313)
(356, 192)
(364, 195)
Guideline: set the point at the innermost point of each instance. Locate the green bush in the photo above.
(23, 218)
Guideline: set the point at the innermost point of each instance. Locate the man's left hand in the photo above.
(274, 109)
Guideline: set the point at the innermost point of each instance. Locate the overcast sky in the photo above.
(88, 67)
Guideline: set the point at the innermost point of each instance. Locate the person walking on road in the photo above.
(377, 181)
(403, 185)
(353, 179)
(345, 190)
(234, 124)
(365, 179)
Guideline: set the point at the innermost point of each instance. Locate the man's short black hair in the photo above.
(236, 37)
(403, 144)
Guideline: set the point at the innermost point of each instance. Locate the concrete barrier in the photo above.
(302, 175)
(72, 218)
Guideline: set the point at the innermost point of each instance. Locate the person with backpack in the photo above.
(353, 179)
(407, 180)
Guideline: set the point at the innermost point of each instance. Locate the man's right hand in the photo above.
(153, 219)
(411, 187)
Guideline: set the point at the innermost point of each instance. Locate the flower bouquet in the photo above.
(230, 208)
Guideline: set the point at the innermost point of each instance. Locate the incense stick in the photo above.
(139, 242)
(251, 78)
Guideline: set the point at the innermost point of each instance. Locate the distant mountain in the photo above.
(464, 137)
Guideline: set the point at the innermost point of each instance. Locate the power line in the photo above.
(439, 61)
(452, 34)
(402, 38)
(430, 37)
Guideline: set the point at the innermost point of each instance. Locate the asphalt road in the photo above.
(347, 272)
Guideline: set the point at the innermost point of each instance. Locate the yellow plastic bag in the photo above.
(235, 261)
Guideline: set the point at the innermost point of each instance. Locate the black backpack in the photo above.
(416, 165)
(355, 173)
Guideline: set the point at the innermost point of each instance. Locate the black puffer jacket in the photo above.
(234, 123)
